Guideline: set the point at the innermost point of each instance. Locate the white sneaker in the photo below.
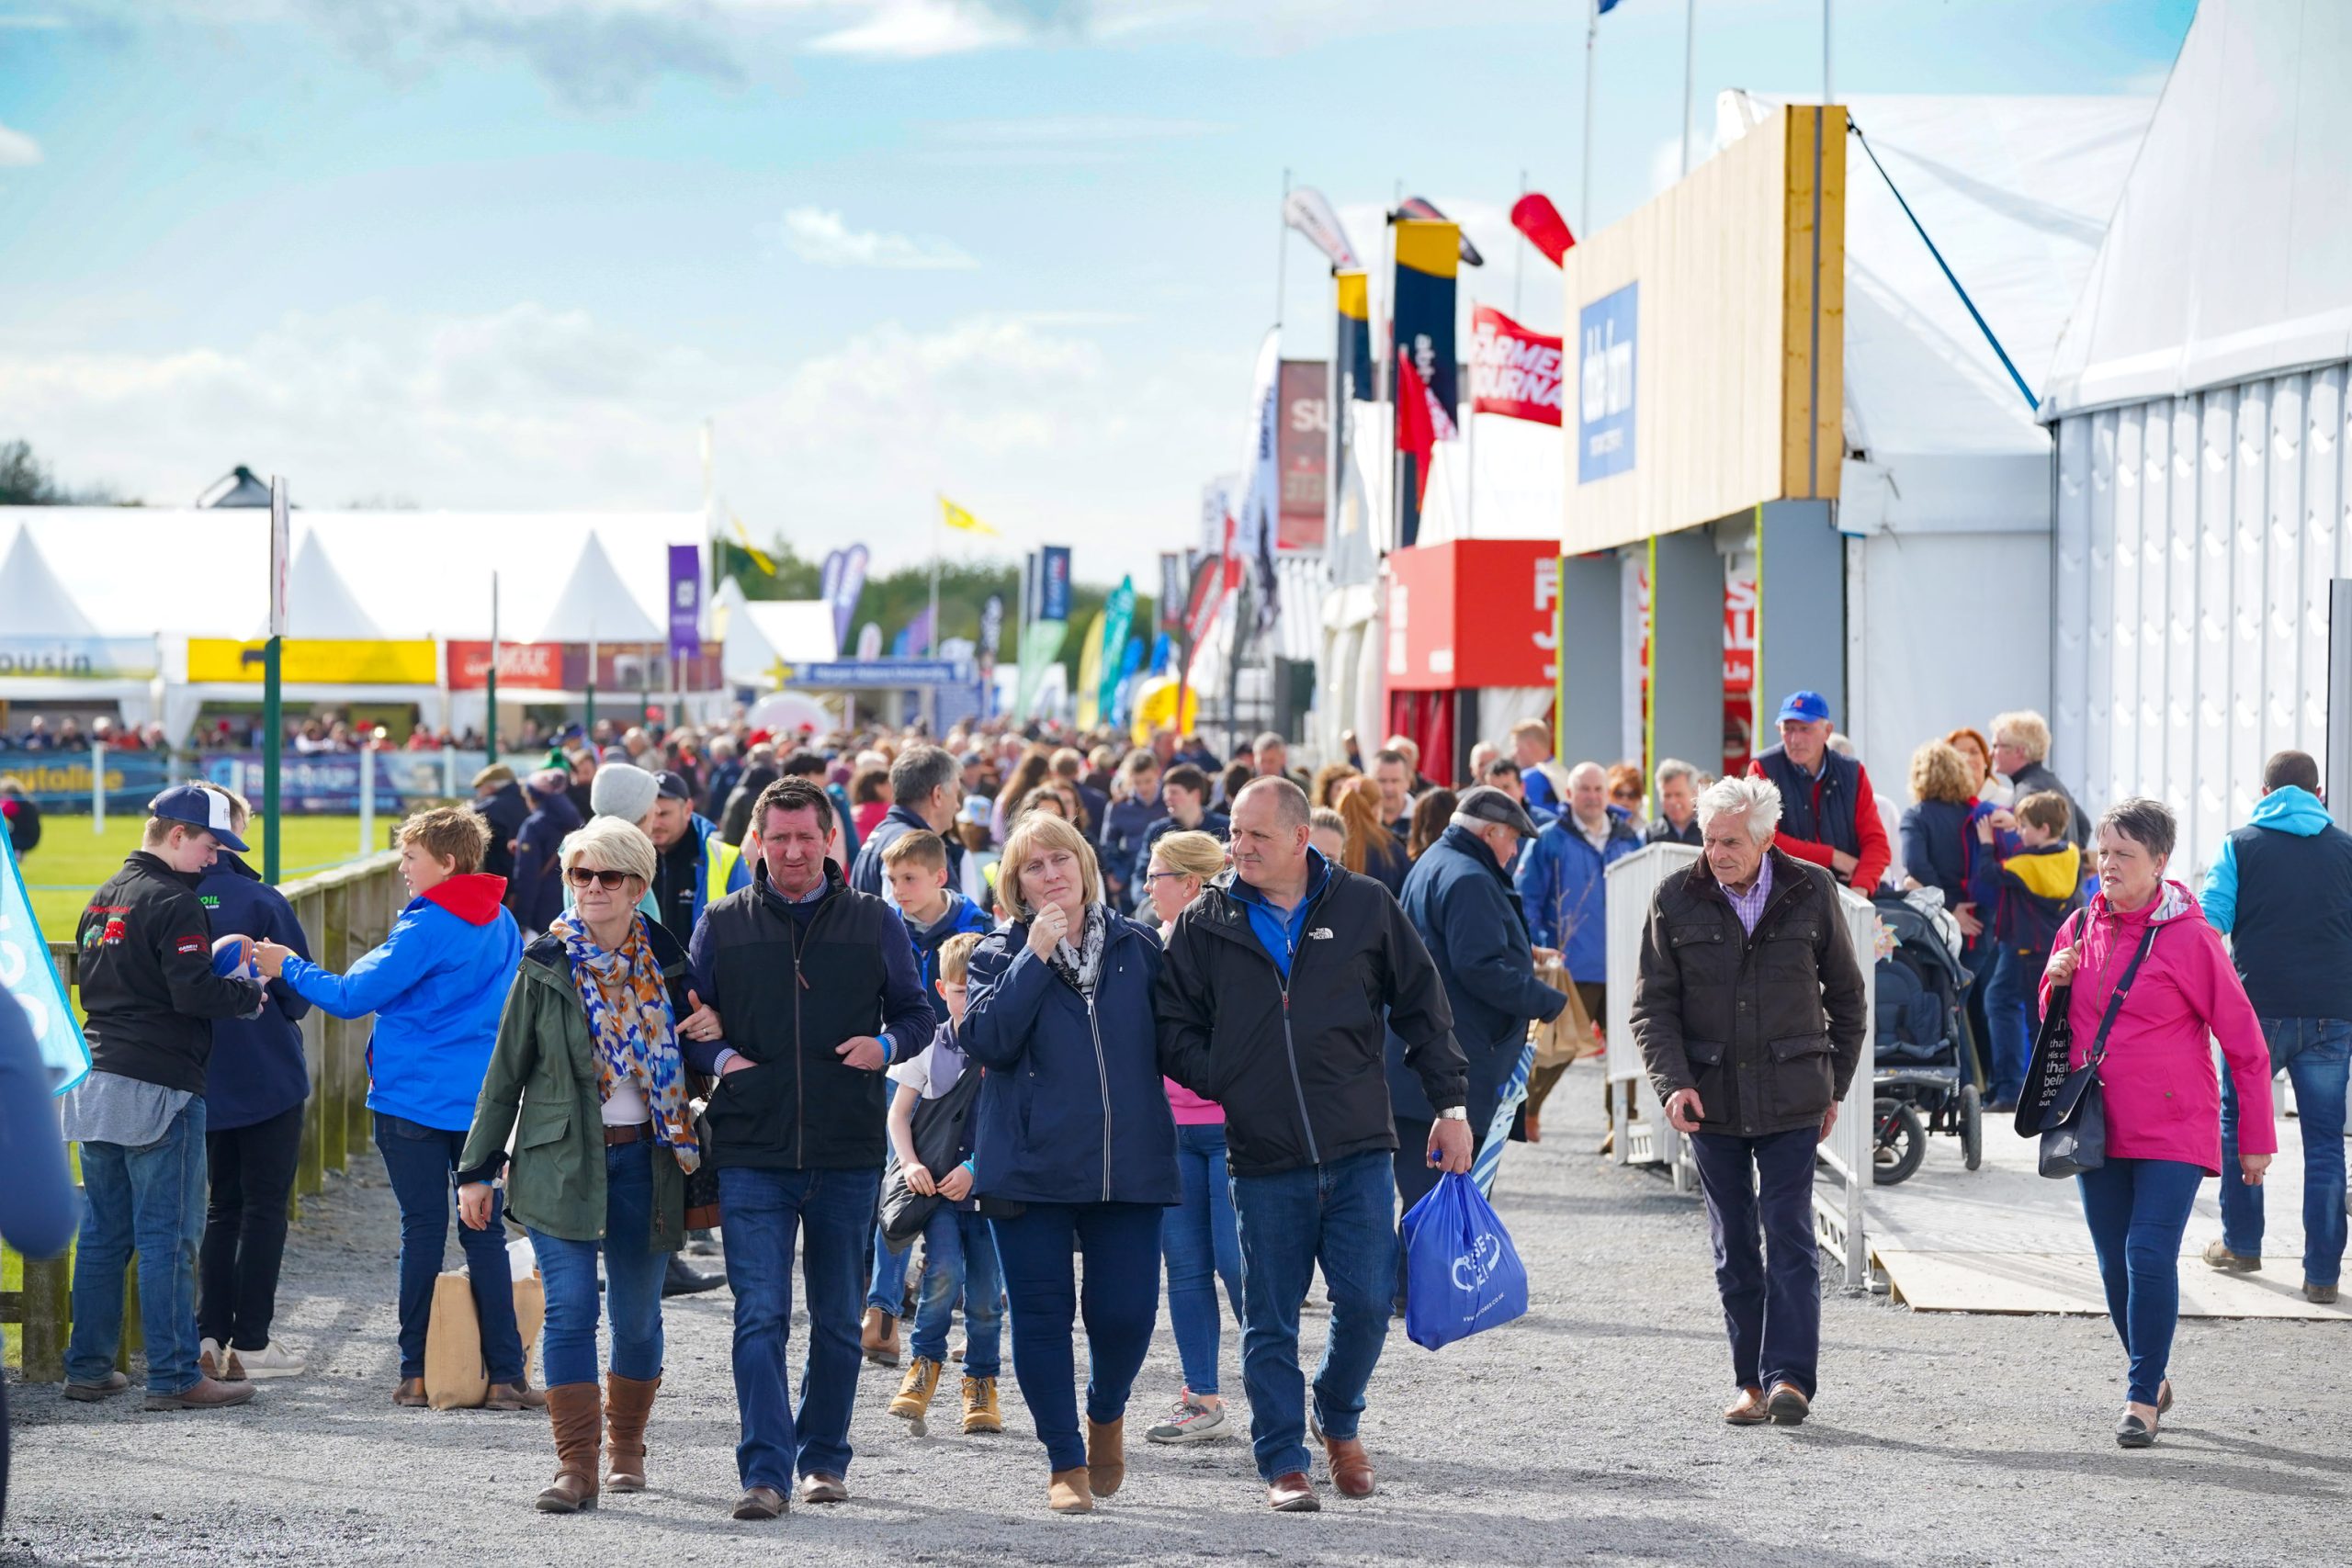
(1192, 1421)
(208, 1357)
(271, 1360)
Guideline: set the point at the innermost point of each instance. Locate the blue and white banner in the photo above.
(29, 975)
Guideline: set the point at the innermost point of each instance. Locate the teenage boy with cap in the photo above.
(1828, 814)
(150, 993)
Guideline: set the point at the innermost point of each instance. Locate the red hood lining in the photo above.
(474, 897)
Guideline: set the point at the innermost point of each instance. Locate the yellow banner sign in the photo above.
(304, 662)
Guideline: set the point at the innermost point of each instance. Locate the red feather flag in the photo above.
(1416, 431)
(1535, 216)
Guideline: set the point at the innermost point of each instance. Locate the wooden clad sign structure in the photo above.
(1706, 372)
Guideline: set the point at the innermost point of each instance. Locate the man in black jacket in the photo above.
(1749, 1009)
(817, 987)
(151, 994)
(1271, 1003)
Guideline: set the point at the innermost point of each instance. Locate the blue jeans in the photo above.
(2137, 1210)
(833, 1212)
(2317, 1055)
(2012, 1002)
(148, 1199)
(1767, 1266)
(1202, 1245)
(1344, 1216)
(421, 1161)
(959, 1263)
(888, 1289)
(1120, 1304)
(633, 1271)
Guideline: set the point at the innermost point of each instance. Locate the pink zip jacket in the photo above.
(2162, 1100)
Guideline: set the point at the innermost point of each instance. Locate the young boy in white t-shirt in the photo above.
(959, 1255)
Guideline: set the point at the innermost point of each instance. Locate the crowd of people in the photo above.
(967, 1023)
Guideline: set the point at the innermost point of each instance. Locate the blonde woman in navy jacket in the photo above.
(1075, 1142)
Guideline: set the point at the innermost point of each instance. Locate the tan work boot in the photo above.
(877, 1336)
(628, 1403)
(913, 1403)
(1068, 1492)
(575, 1412)
(981, 1413)
(1106, 1454)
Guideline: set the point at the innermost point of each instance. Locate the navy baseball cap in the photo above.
(671, 786)
(199, 808)
(1810, 706)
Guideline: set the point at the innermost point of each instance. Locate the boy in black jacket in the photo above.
(150, 992)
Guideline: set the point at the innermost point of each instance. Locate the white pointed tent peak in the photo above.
(37, 602)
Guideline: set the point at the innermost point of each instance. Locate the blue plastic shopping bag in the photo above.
(1461, 1274)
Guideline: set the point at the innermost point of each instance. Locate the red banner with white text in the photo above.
(1513, 371)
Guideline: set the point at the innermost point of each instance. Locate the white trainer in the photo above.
(271, 1360)
(1192, 1421)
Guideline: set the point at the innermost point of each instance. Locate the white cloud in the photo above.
(17, 148)
(819, 236)
(919, 29)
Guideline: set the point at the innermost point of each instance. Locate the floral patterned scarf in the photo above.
(629, 1020)
(1080, 964)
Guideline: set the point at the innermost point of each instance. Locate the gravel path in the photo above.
(1588, 1430)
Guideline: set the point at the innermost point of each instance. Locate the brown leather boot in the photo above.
(1106, 1455)
(1066, 1490)
(576, 1411)
(1351, 1466)
(627, 1402)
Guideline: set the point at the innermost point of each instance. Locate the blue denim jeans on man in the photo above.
(2012, 1011)
(831, 1214)
(888, 1290)
(633, 1272)
(1767, 1266)
(1342, 1216)
(959, 1265)
(2316, 1054)
(420, 1162)
(1202, 1245)
(148, 1199)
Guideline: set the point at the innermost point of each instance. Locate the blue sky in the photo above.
(512, 252)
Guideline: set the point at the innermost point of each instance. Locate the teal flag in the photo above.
(1118, 612)
(1041, 644)
(29, 975)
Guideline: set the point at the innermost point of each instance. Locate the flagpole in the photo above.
(1825, 96)
(1691, 74)
(1592, 36)
(1519, 253)
(1282, 252)
(931, 638)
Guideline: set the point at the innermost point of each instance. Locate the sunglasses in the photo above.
(580, 876)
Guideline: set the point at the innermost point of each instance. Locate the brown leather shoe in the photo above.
(819, 1487)
(204, 1394)
(1747, 1410)
(1351, 1466)
(1787, 1405)
(1292, 1493)
(628, 1402)
(91, 1393)
(760, 1503)
(576, 1412)
(1106, 1454)
(516, 1395)
(409, 1395)
(877, 1337)
(1068, 1491)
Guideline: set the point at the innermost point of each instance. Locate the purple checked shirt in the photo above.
(1749, 905)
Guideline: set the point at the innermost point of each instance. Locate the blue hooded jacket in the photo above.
(537, 893)
(2281, 891)
(1562, 882)
(437, 985)
(256, 1071)
(962, 916)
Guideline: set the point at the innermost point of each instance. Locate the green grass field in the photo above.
(72, 861)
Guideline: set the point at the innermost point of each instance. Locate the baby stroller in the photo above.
(1923, 1079)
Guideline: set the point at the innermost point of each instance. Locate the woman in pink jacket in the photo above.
(2163, 1107)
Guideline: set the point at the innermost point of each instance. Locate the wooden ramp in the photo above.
(2004, 1238)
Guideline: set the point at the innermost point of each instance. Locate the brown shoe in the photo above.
(877, 1336)
(628, 1402)
(819, 1487)
(2319, 1295)
(1292, 1493)
(1747, 1410)
(1351, 1466)
(91, 1393)
(516, 1395)
(760, 1503)
(2218, 1255)
(204, 1394)
(410, 1394)
(1787, 1405)
(575, 1412)
(1106, 1455)
(1068, 1491)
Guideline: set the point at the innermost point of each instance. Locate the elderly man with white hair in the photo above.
(1749, 1009)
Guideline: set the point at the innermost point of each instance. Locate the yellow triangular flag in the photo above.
(959, 518)
(759, 557)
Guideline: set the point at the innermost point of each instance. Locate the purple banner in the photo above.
(842, 585)
(685, 603)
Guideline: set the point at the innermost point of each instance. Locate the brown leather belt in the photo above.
(628, 1135)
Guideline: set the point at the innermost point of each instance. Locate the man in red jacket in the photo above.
(1828, 814)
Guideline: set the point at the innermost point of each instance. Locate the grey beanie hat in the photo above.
(622, 790)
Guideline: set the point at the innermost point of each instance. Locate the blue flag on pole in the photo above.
(30, 976)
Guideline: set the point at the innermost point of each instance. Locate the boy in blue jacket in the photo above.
(437, 985)
(2029, 872)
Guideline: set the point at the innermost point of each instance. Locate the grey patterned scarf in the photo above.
(1082, 966)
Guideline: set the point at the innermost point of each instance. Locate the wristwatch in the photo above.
(1454, 1113)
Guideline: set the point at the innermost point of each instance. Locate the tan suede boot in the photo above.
(1067, 1492)
(982, 1412)
(1106, 1454)
(576, 1412)
(628, 1402)
(913, 1403)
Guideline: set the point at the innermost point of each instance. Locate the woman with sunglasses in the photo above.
(436, 986)
(588, 1062)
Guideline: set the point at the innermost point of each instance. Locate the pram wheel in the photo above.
(1972, 1126)
(1898, 1143)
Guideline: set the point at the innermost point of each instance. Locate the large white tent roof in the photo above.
(758, 633)
(36, 604)
(2230, 255)
(596, 606)
(319, 604)
(182, 571)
